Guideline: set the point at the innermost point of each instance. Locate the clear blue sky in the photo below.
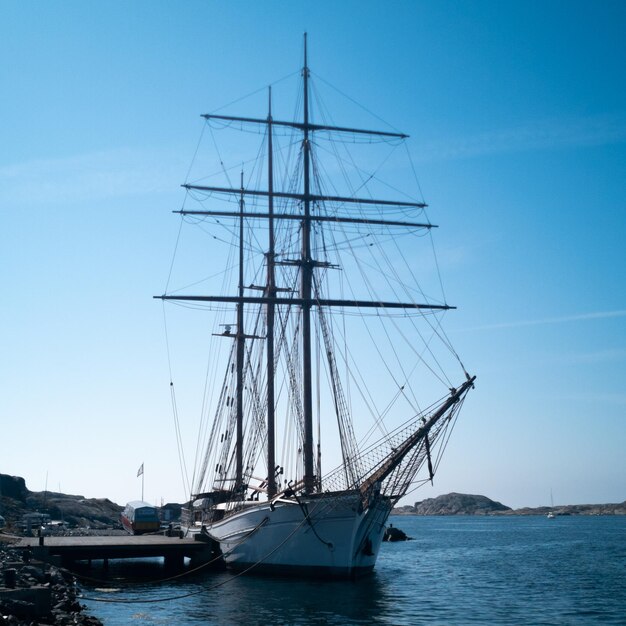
(517, 113)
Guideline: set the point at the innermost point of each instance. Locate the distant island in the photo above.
(101, 513)
(77, 511)
(454, 504)
(468, 504)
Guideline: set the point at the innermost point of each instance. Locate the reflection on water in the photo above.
(125, 593)
(490, 570)
(288, 601)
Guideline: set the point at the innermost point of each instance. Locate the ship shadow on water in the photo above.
(155, 595)
(284, 600)
(509, 571)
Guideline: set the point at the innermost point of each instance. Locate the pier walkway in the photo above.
(72, 549)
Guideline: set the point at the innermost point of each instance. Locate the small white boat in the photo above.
(550, 514)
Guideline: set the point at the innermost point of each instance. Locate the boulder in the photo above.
(13, 487)
(459, 504)
(394, 534)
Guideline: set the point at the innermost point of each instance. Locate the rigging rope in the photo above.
(356, 102)
(179, 443)
(371, 266)
(192, 593)
(305, 520)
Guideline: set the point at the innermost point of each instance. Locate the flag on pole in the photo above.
(140, 471)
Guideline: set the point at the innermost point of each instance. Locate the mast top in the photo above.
(305, 69)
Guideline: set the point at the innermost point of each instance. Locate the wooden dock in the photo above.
(71, 549)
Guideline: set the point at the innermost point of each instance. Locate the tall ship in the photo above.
(329, 392)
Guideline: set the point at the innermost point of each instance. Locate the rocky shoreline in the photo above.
(74, 510)
(33, 593)
(36, 593)
(101, 515)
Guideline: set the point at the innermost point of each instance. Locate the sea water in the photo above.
(456, 570)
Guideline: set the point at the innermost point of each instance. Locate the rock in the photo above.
(466, 504)
(16, 501)
(57, 578)
(13, 487)
(35, 573)
(455, 504)
(394, 534)
(30, 602)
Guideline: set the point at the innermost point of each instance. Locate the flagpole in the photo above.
(140, 473)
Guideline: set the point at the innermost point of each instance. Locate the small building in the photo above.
(170, 512)
(33, 521)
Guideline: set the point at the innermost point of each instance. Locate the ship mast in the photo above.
(306, 280)
(270, 293)
(240, 353)
(306, 265)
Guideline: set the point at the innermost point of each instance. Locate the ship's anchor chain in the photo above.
(307, 517)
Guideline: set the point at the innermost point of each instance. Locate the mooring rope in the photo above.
(203, 589)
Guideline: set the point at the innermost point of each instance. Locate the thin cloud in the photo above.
(595, 357)
(597, 398)
(600, 356)
(90, 176)
(555, 320)
(533, 135)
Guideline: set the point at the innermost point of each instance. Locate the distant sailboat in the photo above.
(550, 514)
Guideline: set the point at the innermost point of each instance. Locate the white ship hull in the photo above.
(335, 537)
